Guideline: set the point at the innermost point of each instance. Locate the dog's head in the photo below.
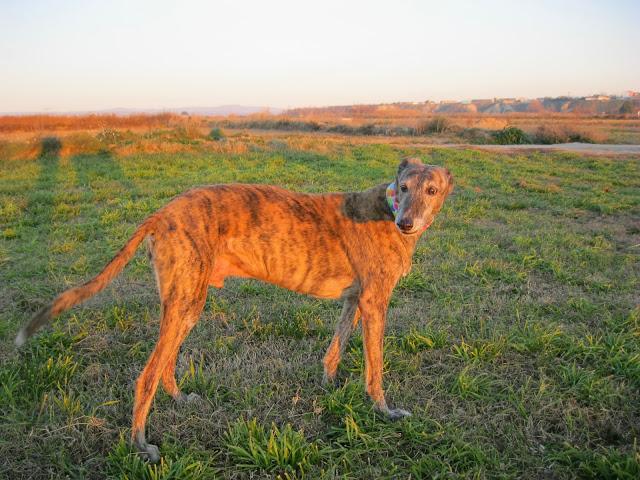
(420, 193)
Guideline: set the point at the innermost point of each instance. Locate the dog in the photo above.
(348, 246)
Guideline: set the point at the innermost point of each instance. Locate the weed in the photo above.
(427, 339)
(284, 451)
(478, 350)
(471, 385)
(124, 463)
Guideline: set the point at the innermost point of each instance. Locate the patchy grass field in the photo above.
(515, 340)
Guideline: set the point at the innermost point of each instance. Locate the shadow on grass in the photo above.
(41, 199)
(40, 209)
(102, 180)
(101, 167)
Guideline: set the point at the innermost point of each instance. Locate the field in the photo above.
(457, 128)
(515, 340)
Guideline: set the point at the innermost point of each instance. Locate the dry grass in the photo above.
(25, 132)
(583, 128)
(38, 123)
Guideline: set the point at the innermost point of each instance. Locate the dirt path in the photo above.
(590, 148)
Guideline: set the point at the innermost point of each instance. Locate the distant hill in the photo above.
(593, 105)
(222, 110)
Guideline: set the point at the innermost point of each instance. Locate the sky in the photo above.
(71, 55)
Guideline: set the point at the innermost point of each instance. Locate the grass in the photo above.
(515, 340)
(281, 451)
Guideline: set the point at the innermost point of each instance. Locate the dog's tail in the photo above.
(79, 294)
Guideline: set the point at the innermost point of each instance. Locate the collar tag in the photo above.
(392, 199)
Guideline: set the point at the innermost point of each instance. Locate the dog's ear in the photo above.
(408, 161)
(449, 180)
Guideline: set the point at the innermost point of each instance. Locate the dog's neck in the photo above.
(372, 205)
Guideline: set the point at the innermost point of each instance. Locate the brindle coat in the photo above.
(339, 245)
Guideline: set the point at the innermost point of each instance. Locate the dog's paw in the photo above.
(150, 453)
(397, 413)
(184, 399)
(392, 413)
(328, 380)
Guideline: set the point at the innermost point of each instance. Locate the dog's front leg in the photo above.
(373, 307)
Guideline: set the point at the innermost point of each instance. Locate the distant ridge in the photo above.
(628, 103)
(222, 110)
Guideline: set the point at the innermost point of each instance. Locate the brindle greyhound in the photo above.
(349, 246)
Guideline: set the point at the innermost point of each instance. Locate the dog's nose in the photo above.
(405, 224)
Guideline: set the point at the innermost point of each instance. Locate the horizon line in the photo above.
(270, 108)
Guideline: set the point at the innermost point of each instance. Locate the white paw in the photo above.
(328, 380)
(150, 453)
(397, 413)
(190, 398)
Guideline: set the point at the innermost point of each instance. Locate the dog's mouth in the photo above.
(416, 230)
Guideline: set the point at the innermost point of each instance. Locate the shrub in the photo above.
(435, 125)
(108, 136)
(216, 134)
(187, 134)
(586, 136)
(626, 107)
(50, 146)
(550, 134)
(511, 136)
(85, 143)
(476, 135)
(340, 128)
(368, 129)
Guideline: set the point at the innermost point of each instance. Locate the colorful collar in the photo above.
(392, 200)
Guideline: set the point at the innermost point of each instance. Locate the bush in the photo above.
(216, 134)
(368, 129)
(435, 125)
(511, 136)
(586, 136)
(550, 134)
(478, 136)
(340, 128)
(626, 107)
(108, 136)
(50, 146)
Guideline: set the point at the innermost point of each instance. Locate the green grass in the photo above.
(515, 340)
(282, 451)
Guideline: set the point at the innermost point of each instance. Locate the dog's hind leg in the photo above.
(348, 321)
(183, 297)
(170, 384)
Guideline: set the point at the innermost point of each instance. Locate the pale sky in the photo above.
(84, 54)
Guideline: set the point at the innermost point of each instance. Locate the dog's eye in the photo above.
(432, 190)
(403, 187)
